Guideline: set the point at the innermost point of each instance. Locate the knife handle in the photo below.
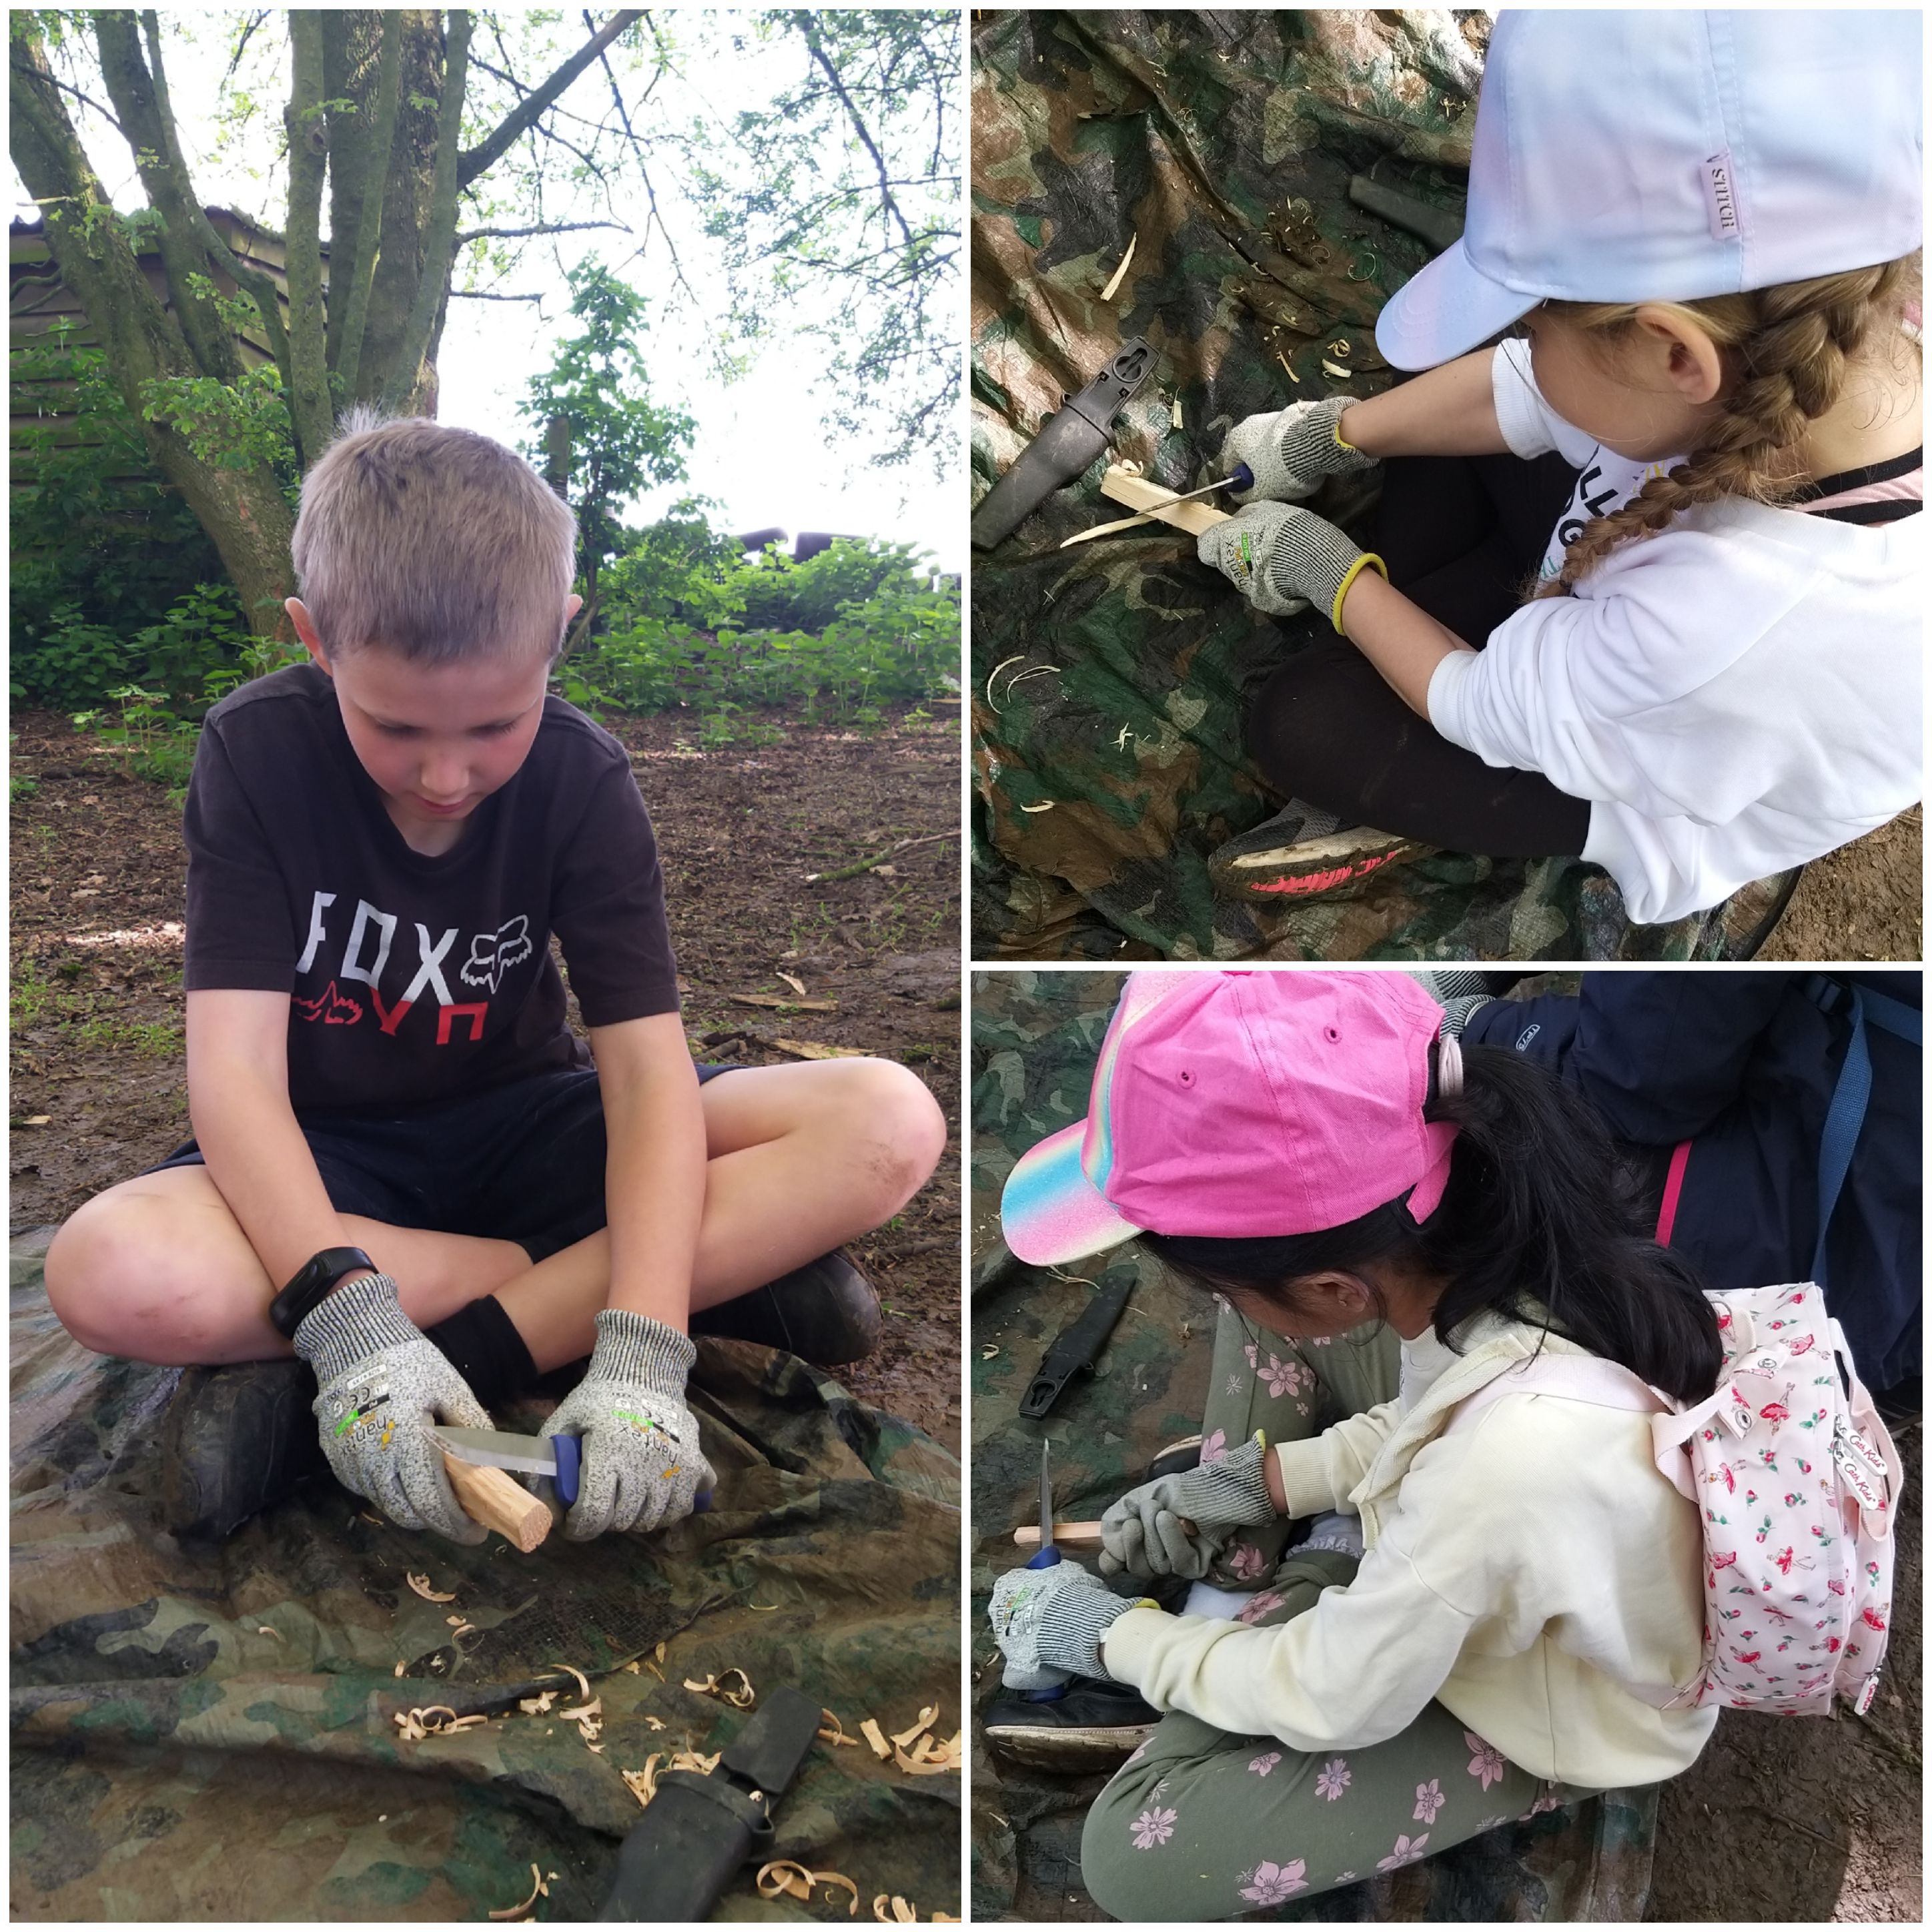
(495, 1498)
(569, 1450)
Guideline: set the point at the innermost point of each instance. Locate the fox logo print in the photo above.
(492, 954)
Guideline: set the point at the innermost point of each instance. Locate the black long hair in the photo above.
(1538, 1223)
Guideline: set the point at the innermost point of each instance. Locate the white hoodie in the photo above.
(1736, 695)
(1521, 1571)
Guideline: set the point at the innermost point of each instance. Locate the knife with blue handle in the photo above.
(559, 1457)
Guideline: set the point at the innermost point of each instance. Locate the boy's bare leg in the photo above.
(801, 1158)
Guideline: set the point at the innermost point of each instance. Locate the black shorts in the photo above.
(522, 1163)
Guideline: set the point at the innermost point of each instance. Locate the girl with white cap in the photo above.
(1703, 227)
(1304, 1146)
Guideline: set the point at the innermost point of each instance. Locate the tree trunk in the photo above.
(243, 510)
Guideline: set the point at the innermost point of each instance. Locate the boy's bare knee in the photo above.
(903, 1128)
(122, 1286)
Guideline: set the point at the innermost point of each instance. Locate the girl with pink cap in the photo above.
(1699, 449)
(1442, 1629)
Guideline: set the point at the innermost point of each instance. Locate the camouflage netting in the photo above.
(1035, 1038)
(211, 1735)
(1103, 782)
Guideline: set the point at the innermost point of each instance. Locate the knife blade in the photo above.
(559, 1457)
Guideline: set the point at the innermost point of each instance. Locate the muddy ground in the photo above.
(98, 1089)
(1865, 901)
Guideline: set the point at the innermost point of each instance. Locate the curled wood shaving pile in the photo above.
(784, 1877)
(571, 1670)
(835, 1733)
(713, 1686)
(423, 1722)
(421, 1585)
(587, 1718)
(644, 1783)
(537, 1706)
(923, 1722)
(538, 1889)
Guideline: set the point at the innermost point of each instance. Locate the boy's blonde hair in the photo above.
(1792, 346)
(435, 543)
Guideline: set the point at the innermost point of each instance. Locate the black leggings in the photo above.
(1459, 535)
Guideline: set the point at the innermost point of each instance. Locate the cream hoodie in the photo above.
(1519, 1571)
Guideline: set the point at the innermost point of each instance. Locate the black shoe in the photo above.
(1901, 1404)
(1097, 1724)
(235, 1440)
(826, 1311)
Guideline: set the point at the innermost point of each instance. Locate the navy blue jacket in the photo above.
(1743, 1065)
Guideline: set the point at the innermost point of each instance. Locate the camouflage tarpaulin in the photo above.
(1109, 680)
(210, 1734)
(1035, 1038)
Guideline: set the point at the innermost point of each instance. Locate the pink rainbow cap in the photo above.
(1239, 1104)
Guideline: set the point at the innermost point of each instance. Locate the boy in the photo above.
(394, 1126)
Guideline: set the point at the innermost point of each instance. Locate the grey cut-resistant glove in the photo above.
(1291, 450)
(641, 1468)
(1051, 1621)
(385, 1385)
(1142, 1534)
(1282, 560)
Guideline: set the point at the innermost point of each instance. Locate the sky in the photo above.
(761, 450)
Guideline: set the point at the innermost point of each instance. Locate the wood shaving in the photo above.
(869, 1730)
(538, 1889)
(632, 1666)
(269, 1629)
(1130, 464)
(656, 1723)
(643, 1784)
(421, 1585)
(1119, 275)
(1335, 370)
(928, 1758)
(578, 1712)
(1175, 417)
(922, 1723)
(1289, 366)
(458, 1628)
(658, 1653)
(1339, 349)
(1019, 657)
(1047, 807)
(452, 1622)
(399, 1669)
(794, 983)
(743, 1699)
(992, 1349)
(415, 1725)
(583, 1682)
(786, 1878)
(834, 1733)
(537, 1706)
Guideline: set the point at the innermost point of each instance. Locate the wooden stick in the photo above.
(1138, 493)
(495, 1498)
(1072, 1535)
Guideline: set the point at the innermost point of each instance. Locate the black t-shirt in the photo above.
(416, 979)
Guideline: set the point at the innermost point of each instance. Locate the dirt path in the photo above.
(98, 872)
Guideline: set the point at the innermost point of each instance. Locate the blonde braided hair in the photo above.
(1791, 347)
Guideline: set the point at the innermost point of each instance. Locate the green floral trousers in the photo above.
(1204, 1824)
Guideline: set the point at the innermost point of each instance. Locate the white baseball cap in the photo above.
(1662, 154)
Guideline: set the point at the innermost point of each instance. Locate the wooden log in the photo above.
(495, 1498)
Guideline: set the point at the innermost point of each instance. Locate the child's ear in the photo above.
(1693, 363)
(305, 630)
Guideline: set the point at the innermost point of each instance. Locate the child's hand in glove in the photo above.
(1050, 1621)
(1142, 1534)
(1292, 449)
(641, 1466)
(1282, 560)
(385, 1385)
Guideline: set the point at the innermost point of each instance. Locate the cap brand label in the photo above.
(1720, 197)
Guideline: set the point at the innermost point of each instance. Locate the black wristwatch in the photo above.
(317, 1277)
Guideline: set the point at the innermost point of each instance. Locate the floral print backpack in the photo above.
(1796, 1480)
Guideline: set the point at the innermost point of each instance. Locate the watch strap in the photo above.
(313, 1280)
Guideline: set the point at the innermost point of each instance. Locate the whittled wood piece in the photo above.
(496, 1499)
(1073, 1535)
(1139, 493)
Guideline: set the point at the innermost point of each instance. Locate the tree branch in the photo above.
(541, 228)
(643, 168)
(259, 288)
(439, 230)
(525, 112)
(308, 153)
(360, 274)
(808, 28)
(487, 294)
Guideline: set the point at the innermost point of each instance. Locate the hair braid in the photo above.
(1793, 346)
